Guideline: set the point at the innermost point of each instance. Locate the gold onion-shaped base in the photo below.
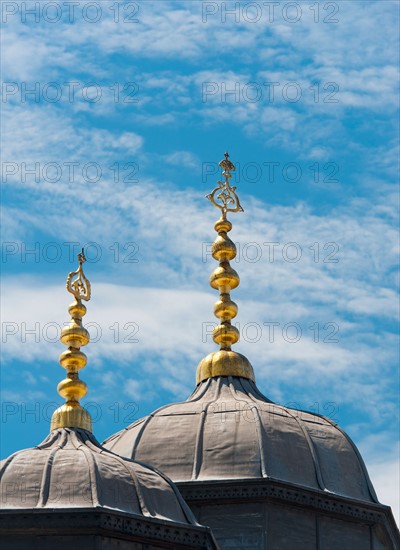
(224, 363)
(71, 415)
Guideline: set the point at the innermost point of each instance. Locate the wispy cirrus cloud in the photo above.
(192, 77)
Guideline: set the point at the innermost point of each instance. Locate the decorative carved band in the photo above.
(208, 492)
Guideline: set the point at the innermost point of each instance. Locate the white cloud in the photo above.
(382, 457)
(301, 53)
(134, 324)
(183, 159)
(385, 476)
(169, 299)
(57, 138)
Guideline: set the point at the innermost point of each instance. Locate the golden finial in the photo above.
(72, 414)
(224, 278)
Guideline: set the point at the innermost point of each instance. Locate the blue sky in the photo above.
(113, 125)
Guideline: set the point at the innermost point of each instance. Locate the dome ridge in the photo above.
(228, 429)
(108, 481)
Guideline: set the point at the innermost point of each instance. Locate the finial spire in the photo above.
(224, 278)
(72, 414)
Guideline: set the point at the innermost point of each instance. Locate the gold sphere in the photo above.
(72, 389)
(224, 276)
(225, 308)
(222, 226)
(73, 360)
(225, 335)
(77, 310)
(74, 336)
(223, 248)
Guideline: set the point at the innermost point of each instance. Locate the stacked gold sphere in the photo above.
(224, 278)
(72, 414)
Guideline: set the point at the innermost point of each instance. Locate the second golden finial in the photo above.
(72, 414)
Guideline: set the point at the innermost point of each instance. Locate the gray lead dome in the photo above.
(70, 469)
(228, 430)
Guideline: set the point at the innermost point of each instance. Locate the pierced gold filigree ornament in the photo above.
(225, 194)
(80, 286)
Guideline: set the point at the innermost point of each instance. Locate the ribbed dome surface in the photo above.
(71, 470)
(228, 430)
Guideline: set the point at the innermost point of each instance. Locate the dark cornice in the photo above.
(245, 490)
(111, 523)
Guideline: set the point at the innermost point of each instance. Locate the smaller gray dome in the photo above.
(70, 469)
